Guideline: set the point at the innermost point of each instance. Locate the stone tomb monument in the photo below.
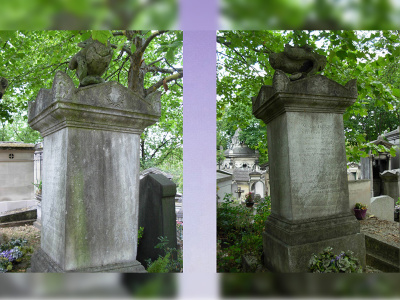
(90, 175)
(308, 177)
(156, 215)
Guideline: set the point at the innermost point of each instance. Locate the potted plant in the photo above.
(360, 210)
(249, 199)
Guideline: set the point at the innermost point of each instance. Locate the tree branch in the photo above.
(159, 83)
(124, 48)
(164, 141)
(119, 69)
(156, 61)
(161, 70)
(150, 38)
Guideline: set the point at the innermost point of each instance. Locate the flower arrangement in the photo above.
(360, 206)
(397, 206)
(327, 262)
(249, 197)
(360, 211)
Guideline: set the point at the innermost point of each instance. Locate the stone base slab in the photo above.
(284, 258)
(42, 263)
(311, 230)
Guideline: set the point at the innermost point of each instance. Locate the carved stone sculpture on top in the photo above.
(91, 62)
(3, 86)
(298, 61)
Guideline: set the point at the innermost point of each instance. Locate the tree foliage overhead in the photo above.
(369, 56)
(144, 61)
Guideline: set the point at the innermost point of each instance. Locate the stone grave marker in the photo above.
(90, 175)
(391, 183)
(308, 174)
(382, 207)
(156, 215)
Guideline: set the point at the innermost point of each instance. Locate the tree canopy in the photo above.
(143, 61)
(369, 56)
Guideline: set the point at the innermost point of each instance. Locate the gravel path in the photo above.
(388, 231)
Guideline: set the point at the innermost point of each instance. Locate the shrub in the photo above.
(239, 232)
(327, 262)
(169, 263)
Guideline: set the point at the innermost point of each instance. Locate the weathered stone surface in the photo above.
(390, 183)
(19, 216)
(156, 215)
(42, 263)
(90, 173)
(308, 173)
(359, 191)
(16, 176)
(91, 62)
(108, 106)
(382, 207)
(381, 255)
(286, 258)
(299, 61)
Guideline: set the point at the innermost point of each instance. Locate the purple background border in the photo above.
(198, 20)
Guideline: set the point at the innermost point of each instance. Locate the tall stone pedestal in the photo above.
(308, 175)
(90, 175)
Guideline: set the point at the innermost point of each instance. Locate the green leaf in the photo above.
(6, 34)
(101, 35)
(121, 43)
(170, 55)
(396, 92)
(341, 54)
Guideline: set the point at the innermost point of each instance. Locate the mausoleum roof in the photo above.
(240, 151)
(381, 141)
(223, 176)
(394, 134)
(16, 145)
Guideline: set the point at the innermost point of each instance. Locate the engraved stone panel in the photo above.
(317, 155)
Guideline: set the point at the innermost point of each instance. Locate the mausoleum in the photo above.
(16, 175)
(239, 173)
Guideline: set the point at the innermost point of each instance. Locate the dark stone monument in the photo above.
(308, 174)
(90, 196)
(391, 183)
(156, 215)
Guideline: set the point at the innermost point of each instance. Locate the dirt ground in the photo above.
(388, 231)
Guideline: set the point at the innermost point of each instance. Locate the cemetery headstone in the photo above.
(308, 177)
(90, 196)
(382, 207)
(156, 215)
(391, 183)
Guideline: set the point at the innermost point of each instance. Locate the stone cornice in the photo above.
(107, 106)
(316, 94)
